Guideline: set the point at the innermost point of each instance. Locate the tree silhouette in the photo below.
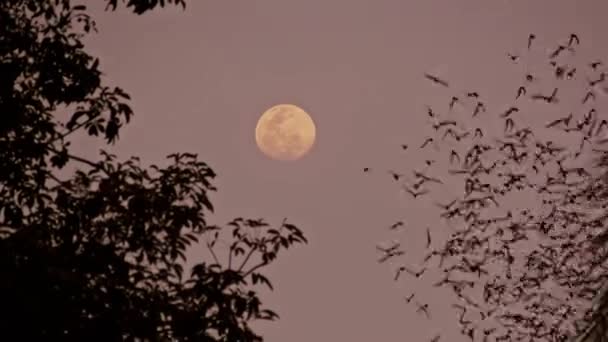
(100, 256)
(142, 6)
(522, 201)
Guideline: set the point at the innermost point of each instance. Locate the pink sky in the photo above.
(200, 79)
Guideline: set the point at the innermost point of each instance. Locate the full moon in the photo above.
(285, 132)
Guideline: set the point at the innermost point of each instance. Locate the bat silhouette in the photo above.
(409, 299)
(603, 125)
(426, 178)
(509, 124)
(417, 274)
(595, 65)
(514, 58)
(426, 142)
(520, 91)
(396, 176)
(531, 37)
(453, 156)
(436, 80)
(601, 79)
(446, 206)
(389, 255)
(453, 102)
(564, 120)
(480, 107)
(478, 133)
(423, 308)
(559, 72)
(557, 51)
(396, 225)
(573, 39)
(509, 112)
(570, 74)
(589, 96)
(398, 273)
(415, 194)
(548, 99)
(444, 123)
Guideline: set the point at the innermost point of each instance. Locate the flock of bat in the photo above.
(524, 274)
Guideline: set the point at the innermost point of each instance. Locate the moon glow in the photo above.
(285, 132)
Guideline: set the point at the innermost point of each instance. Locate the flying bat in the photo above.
(436, 80)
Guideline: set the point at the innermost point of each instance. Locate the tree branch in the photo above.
(262, 264)
(247, 258)
(212, 253)
(230, 257)
(77, 158)
(76, 127)
(53, 177)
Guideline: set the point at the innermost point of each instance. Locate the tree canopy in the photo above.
(142, 6)
(99, 255)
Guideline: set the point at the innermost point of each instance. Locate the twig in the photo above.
(212, 253)
(76, 127)
(247, 257)
(263, 263)
(77, 158)
(59, 181)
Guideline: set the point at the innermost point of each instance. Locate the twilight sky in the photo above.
(201, 78)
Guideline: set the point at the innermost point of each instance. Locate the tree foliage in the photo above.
(142, 6)
(519, 233)
(99, 256)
